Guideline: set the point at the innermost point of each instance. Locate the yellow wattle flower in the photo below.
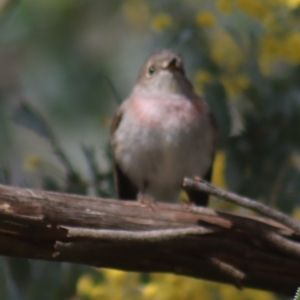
(32, 163)
(161, 22)
(225, 52)
(136, 13)
(84, 285)
(202, 78)
(291, 48)
(205, 19)
(254, 8)
(218, 177)
(292, 3)
(224, 6)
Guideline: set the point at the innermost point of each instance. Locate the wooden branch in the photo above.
(246, 251)
(205, 186)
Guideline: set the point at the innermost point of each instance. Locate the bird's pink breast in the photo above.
(175, 111)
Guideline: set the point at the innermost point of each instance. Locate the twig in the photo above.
(123, 235)
(204, 186)
(283, 244)
(234, 273)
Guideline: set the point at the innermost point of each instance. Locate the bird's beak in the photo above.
(172, 66)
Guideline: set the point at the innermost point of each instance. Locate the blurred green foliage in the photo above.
(297, 296)
(65, 65)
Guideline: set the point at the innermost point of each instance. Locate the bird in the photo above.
(161, 133)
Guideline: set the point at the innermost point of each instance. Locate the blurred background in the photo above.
(65, 66)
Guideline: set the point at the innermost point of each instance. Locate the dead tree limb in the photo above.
(246, 251)
(207, 187)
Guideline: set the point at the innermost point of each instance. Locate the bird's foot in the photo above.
(146, 200)
(196, 178)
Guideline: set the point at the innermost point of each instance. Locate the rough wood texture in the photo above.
(198, 242)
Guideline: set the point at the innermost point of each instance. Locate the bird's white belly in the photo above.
(157, 159)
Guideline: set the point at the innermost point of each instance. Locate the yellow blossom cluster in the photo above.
(225, 52)
(136, 13)
(32, 163)
(37, 165)
(235, 84)
(205, 19)
(224, 6)
(293, 3)
(218, 178)
(273, 49)
(279, 40)
(161, 22)
(254, 8)
(202, 78)
(120, 285)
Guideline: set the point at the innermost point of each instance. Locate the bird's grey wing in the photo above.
(125, 189)
(198, 197)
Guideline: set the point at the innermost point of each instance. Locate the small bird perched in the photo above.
(161, 133)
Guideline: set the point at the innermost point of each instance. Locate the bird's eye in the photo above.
(151, 70)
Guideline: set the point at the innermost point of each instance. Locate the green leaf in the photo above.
(29, 118)
(102, 182)
(297, 296)
(25, 115)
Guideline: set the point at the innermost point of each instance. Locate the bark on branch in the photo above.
(246, 251)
